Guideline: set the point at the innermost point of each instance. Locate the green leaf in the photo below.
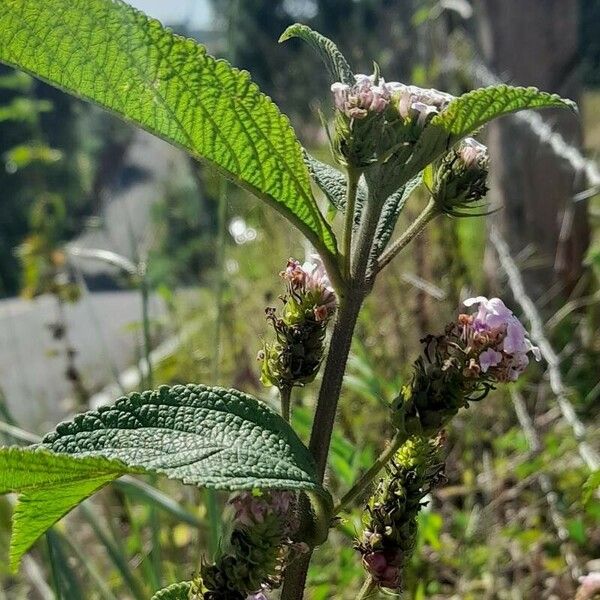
(591, 486)
(389, 215)
(50, 486)
(333, 183)
(177, 591)
(334, 60)
(469, 112)
(109, 53)
(207, 436)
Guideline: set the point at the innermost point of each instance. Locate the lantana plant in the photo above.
(387, 139)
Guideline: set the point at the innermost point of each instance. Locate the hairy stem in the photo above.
(416, 227)
(352, 187)
(367, 479)
(367, 589)
(285, 395)
(333, 375)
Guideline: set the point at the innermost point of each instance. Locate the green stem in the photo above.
(367, 589)
(416, 227)
(367, 479)
(155, 553)
(351, 190)
(210, 495)
(285, 394)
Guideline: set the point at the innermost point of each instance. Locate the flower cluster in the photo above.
(418, 104)
(310, 302)
(366, 95)
(463, 364)
(390, 520)
(460, 180)
(258, 548)
(496, 340)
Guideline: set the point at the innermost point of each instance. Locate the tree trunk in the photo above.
(536, 43)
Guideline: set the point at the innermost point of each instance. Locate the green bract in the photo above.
(109, 53)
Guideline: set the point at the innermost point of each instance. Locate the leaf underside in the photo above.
(109, 53)
(334, 60)
(49, 486)
(391, 212)
(207, 436)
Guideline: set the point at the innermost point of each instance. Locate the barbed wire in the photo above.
(556, 517)
(540, 128)
(588, 454)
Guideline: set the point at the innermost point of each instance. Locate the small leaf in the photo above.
(591, 486)
(207, 436)
(111, 54)
(177, 591)
(50, 486)
(334, 60)
(469, 112)
(333, 183)
(389, 215)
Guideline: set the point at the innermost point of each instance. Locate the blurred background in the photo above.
(123, 265)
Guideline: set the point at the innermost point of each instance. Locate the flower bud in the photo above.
(310, 302)
(461, 177)
(390, 520)
(360, 119)
(258, 547)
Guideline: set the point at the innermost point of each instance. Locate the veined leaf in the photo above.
(334, 60)
(49, 485)
(389, 215)
(109, 53)
(467, 113)
(207, 436)
(333, 183)
(470, 111)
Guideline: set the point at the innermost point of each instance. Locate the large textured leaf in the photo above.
(334, 60)
(467, 113)
(49, 485)
(470, 111)
(201, 435)
(109, 53)
(389, 215)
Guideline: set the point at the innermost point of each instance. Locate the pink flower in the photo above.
(472, 153)
(502, 337)
(364, 96)
(257, 596)
(251, 509)
(311, 278)
(418, 103)
(489, 358)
